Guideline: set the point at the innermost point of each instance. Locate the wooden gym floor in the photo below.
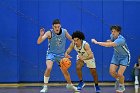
(60, 88)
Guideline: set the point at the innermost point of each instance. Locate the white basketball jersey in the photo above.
(81, 50)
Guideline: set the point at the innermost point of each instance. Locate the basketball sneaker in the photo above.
(44, 90)
(80, 85)
(97, 89)
(121, 88)
(71, 87)
(136, 88)
(136, 82)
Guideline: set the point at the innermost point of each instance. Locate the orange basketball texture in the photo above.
(65, 63)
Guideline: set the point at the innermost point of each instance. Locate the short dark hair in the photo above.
(78, 34)
(56, 21)
(116, 27)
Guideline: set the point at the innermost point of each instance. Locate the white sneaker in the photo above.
(121, 88)
(136, 88)
(44, 90)
(71, 87)
(136, 82)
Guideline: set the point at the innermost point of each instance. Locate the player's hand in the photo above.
(94, 41)
(67, 56)
(81, 57)
(42, 31)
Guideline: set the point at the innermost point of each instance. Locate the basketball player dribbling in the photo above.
(85, 56)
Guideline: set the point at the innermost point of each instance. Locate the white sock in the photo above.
(136, 78)
(46, 79)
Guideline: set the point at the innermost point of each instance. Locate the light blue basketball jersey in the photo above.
(56, 44)
(121, 54)
(121, 48)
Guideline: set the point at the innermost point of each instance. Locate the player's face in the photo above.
(56, 28)
(77, 42)
(115, 33)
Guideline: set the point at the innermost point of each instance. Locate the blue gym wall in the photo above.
(22, 60)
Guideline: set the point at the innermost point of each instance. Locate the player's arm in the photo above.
(43, 35)
(68, 36)
(108, 40)
(106, 44)
(89, 52)
(70, 48)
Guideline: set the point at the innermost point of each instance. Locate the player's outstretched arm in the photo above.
(105, 44)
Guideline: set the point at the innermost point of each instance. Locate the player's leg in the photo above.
(112, 70)
(66, 75)
(95, 76)
(124, 62)
(113, 67)
(114, 74)
(120, 74)
(49, 64)
(92, 67)
(68, 79)
(121, 78)
(79, 65)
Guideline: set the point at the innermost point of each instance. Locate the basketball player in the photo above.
(85, 56)
(121, 56)
(56, 48)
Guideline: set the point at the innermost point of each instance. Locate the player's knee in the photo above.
(78, 67)
(120, 75)
(93, 70)
(48, 69)
(112, 72)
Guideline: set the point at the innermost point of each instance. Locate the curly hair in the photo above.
(78, 34)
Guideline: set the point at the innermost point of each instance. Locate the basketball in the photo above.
(65, 63)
